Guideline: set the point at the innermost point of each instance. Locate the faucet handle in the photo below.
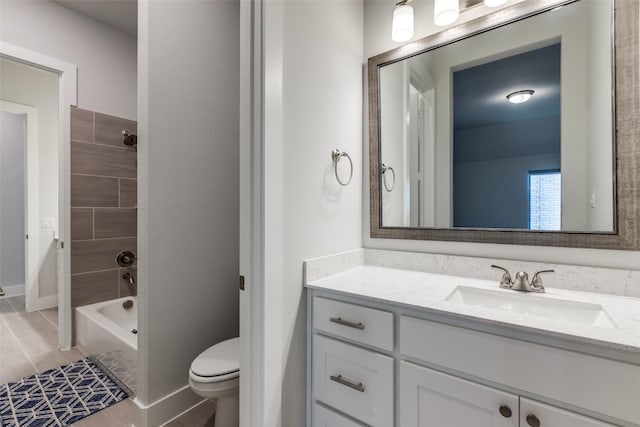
(505, 280)
(536, 281)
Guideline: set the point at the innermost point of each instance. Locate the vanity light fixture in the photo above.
(520, 96)
(494, 3)
(402, 25)
(445, 12)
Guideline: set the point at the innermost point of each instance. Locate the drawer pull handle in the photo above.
(505, 411)
(533, 421)
(340, 380)
(341, 321)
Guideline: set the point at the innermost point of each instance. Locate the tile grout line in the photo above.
(35, 370)
(99, 271)
(92, 175)
(105, 238)
(104, 145)
(17, 309)
(47, 319)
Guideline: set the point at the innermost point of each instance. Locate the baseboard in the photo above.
(193, 408)
(165, 409)
(43, 303)
(12, 290)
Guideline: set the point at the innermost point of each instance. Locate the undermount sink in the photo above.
(533, 305)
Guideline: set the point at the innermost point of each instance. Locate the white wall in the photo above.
(313, 104)
(31, 86)
(377, 21)
(188, 187)
(105, 57)
(12, 198)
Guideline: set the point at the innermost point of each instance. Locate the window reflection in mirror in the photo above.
(464, 155)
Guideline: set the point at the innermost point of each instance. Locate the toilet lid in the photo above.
(221, 359)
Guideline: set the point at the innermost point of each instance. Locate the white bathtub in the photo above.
(105, 331)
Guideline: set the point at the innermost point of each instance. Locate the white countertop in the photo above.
(429, 292)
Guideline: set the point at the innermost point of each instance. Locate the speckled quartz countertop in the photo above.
(619, 330)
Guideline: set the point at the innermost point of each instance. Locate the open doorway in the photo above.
(38, 90)
(29, 187)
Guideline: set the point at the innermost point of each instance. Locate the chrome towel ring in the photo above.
(386, 169)
(336, 155)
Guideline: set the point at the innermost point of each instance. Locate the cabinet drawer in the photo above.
(355, 381)
(561, 375)
(323, 417)
(429, 398)
(548, 416)
(354, 322)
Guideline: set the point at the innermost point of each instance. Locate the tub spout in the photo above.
(131, 282)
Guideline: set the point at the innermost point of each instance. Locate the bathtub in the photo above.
(107, 332)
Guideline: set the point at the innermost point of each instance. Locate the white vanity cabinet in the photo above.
(534, 414)
(324, 417)
(430, 398)
(374, 363)
(356, 381)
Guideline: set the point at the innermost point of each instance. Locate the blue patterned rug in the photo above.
(57, 397)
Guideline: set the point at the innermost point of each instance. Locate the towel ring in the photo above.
(386, 169)
(336, 155)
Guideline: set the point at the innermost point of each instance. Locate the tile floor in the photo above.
(28, 344)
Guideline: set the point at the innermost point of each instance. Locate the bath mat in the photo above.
(57, 397)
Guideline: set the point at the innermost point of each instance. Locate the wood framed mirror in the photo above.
(453, 158)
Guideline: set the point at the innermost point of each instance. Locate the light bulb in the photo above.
(402, 25)
(494, 3)
(445, 12)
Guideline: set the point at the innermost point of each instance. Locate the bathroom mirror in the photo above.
(508, 129)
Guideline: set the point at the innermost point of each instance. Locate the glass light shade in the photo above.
(402, 25)
(494, 3)
(520, 96)
(445, 12)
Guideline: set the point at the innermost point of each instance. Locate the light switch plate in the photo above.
(48, 222)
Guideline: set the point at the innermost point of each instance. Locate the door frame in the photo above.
(253, 404)
(32, 242)
(66, 99)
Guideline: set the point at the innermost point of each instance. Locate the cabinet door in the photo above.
(356, 382)
(432, 399)
(323, 417)
(536, 414)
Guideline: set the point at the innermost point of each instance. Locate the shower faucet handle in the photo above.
(126, 258)
(129, 139)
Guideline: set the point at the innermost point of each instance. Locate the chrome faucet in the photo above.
(521, 282)
(131, 282)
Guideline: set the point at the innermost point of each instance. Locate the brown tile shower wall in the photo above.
(103, 205)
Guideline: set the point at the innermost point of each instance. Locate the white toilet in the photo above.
(215, 375)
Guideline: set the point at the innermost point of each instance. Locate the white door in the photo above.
(432, 399)
(536, 414)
